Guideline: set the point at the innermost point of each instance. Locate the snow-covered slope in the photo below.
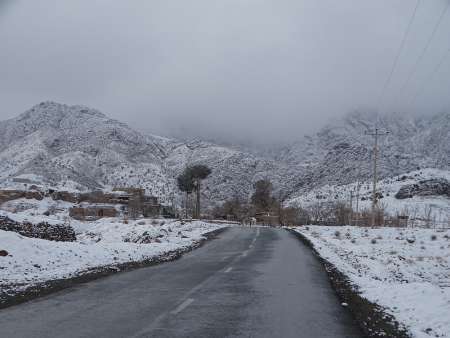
(341, 152)
(78, 148)
(433, 205)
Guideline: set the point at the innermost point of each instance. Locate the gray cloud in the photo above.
(263, 70)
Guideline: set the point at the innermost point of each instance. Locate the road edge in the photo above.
(372, 318)
(53, 286)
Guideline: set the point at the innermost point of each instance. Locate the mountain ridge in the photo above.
(80, 148)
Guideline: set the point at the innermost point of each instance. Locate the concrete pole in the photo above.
(374, 190)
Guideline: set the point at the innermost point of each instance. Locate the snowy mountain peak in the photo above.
(79, 148)
(54, 113)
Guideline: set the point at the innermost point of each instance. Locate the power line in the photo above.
(429, 77)
(375, 134)
(424, 50)
(397, 57)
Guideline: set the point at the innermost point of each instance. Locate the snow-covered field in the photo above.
(406, 271)
(106, 242)
(416, 207)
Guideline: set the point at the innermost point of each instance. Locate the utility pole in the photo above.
(375, 134)
(358, 187)
(351, 207)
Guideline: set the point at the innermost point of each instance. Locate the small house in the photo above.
(92, 212)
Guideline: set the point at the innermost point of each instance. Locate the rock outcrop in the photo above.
(432, 187)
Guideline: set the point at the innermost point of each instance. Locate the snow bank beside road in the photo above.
(107, 242)
(406, 271)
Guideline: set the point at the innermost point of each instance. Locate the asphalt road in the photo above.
(258, 282)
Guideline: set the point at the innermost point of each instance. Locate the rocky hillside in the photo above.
(78, 148)
(341, 152)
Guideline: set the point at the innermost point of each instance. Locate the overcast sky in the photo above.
(235, 69)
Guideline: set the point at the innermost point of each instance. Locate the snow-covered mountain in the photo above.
(79, 148)
(341, 152)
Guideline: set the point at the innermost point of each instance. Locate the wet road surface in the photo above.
(258, 282)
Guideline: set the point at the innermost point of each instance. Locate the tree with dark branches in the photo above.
(198, 173)
(190, 180)
(186, 185)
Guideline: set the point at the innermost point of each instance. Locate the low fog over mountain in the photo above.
(80, 148)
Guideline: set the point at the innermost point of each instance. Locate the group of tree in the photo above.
(261, 202)
(262, 198)
(189, 181)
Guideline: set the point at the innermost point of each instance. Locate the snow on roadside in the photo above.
(406, 271)
(415, 207)
(105, 242)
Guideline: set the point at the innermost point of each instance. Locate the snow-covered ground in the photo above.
(406, 271)
(416, 207)
(105, 242)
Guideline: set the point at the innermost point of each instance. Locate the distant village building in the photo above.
(97, 204)
(9, 195)
(92, 212)
(267, 218)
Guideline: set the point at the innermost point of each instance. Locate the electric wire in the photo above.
(423, 52)
(397, 57)
(429, 77)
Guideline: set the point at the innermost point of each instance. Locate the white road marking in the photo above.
(224, 258)
(253, 242)
(228, 270)
(245, 253)
(257, 232)
(182, 306)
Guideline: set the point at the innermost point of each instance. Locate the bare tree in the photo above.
(427, 211)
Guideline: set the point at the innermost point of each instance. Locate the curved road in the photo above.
(258, 282)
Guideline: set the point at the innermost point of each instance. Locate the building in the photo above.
(267, 218)
(92, 212)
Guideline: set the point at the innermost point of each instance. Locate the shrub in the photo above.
(337, 234)
(373, 241)
(433, 237)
